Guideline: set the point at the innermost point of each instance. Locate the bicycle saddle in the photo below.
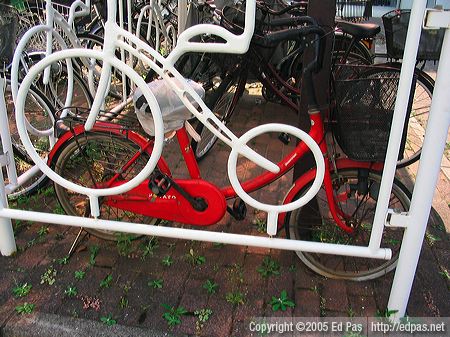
(359, 30)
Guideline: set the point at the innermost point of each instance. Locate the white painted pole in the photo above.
(398, 120)
(5, 136)
(427, 175)
(7, 242)
(182, 15)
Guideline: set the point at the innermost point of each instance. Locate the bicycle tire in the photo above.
(95, 42)
(313, 222)
(89, 159)
(420, 109)
(222, 103)
(39, 106)
(55, 90)
(342, 43)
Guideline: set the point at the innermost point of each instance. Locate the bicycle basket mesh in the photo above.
(396, 26)
(8, 31)
(364, 110)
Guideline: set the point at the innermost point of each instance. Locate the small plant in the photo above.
(260, 225)
(64, 260)
(123, 302)
(59, 236)
(269, 267)
(49, 276)
(236, 274)
(156, 284)
(431, 239)
(292, 268)
(173, 315)
(445, 274)
(235, 298)
(71, 291)
(218, 245)
(26, 308)
(149, 248)
(124, 244)
(167, 261)
(42, 231)
(108, 320)
(80, 274)
(203, 316)
(385, 313)
(282, 302)
(93, 254)
(59, 210)
(22, 290)
(322, 302)
(315, 289)
(106, 282)
(91, 302)
(210, 286)
(126, 287)
(350, 312)
(194, 259)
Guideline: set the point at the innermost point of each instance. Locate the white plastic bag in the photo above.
(174, 113)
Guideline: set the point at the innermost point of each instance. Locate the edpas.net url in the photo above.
(408, 327)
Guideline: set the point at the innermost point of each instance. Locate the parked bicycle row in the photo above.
(80, 67)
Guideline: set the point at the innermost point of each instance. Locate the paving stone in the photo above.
(307, 303)
(361, 305)
(335, 294)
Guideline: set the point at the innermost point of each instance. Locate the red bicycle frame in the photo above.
(173, 206)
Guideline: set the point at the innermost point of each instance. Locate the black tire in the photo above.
(56, 89)
(313, 222)
(342, 43)
(40, 113)
(222, 103)
(88, 160)
(93, 41)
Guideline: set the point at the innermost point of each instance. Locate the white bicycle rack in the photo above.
(414, 221)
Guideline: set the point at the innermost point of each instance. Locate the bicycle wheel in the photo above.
(313, 222)
(56, 89)
(89, 160)
(420, 109)
(342, 43)
(39, 113)
(222, 103)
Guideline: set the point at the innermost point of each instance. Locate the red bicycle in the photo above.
(342, 212)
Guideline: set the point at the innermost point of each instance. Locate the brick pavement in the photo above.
(132, 302)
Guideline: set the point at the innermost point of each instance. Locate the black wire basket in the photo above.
(396, 26)
(363, 114)
(8, 31)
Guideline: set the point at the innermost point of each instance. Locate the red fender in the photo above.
(307, 177)
(109, 128)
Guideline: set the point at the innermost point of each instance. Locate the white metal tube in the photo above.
(199, 235)
(427, 175)
(5, 136)
(156, 113)
(398, 121)
(182, 15)
(22, 179)
(7, 242)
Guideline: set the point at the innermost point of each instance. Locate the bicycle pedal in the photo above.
(284, 138)
(239, 210)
